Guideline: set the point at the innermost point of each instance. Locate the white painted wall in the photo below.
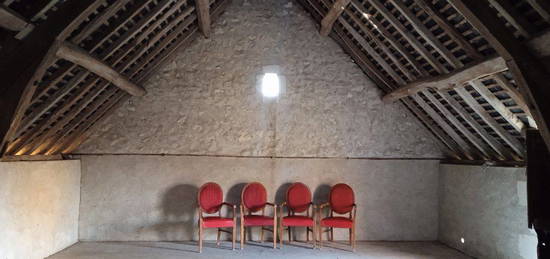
(153, 197)
(487, 206)
(38, 208)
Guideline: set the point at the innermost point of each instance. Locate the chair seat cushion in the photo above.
(217, 222)
(257, 220)
(303, 221)
(337, 222)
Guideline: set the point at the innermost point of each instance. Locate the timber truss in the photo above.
(474, 72)
(66, 64)
(462, 67)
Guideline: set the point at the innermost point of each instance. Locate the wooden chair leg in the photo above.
(200, 239)
(262, 234)
(242, 235)
(331, 234)
(307, 234)
(234, 234)
(314, 235)
(281, 233)
(274, 234)
(289, 235)
(353, 237)
(218, 237)
(350, 237)
(320, 231)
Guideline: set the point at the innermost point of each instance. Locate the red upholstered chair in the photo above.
(298, 200)
(210, 199)
(341, 201)
(254, 199)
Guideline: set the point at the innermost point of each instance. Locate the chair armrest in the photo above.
(323, 205)
(271, 204)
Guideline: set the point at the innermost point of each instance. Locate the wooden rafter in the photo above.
(203, 13)
(80, 57)
(457, 78)
(528, 71)
(10, 20)
(333, 14)
(21, 67)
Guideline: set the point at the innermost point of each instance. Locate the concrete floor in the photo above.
(124, 250)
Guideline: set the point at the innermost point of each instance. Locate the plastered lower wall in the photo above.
(206, 101)
(134, 197)
(487, 206)
(39, 204)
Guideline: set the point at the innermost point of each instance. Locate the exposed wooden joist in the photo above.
(498, 105)
(407, 34)
(529, 72)
(493, 143)
(73, 53)
(458, 77)
(515, 18)
(519, 99)
(513, 142)
(442, 21)
(31, 158)
(542, 7)
(10, 20)
(333, 14)
(22, 66)
(203, 11)
(426, 34)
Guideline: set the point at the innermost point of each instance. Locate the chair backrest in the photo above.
(254, 196)
(210, 197)
(298, 197)
(341, 198)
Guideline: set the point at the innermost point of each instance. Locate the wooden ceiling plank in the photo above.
(459, 77)
(408, 36)
(84, 119)
(391, 39)
(480, 145)
(334, 12)
(542, 7)
(489, 120)
(74, 54)
(498, 105)
(374, 73)
(444, 24)
(11, 20)
(426, 34)
(528, 72)
(145, 36)
(515, 18)
(464, 147)
(497, 146)
(19, 69)
(98, 21)
(514, 93)
(80, 136)
(381, 45)
(62, 72)
(203, 13)
(386, 66)
(38, 135)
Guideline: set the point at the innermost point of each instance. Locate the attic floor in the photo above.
(369, 250)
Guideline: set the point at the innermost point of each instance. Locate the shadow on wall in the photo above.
(233, 195)
(321, 194)
(179, 213)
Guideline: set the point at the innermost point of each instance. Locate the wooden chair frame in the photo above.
(234, 227)
(244, 211)
(352, 215)
(313, 229)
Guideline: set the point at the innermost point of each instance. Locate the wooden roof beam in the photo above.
(458, 78)
(10, 20)
(333, 14)
(203, 15)
(74, 54)
(528, 71)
